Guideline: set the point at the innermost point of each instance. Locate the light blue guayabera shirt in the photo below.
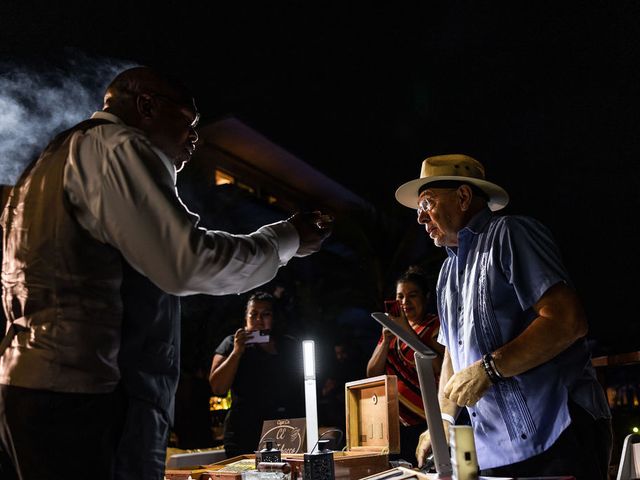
(487, 286)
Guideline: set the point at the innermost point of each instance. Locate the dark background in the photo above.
(545, 94)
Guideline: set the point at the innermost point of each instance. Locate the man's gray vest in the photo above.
(60, 287)
(69, 298)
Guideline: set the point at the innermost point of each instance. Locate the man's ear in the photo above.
(145, 105)
(464, 195)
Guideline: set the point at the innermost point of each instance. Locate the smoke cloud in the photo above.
(36, 102)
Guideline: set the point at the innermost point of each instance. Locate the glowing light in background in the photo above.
(310, 401)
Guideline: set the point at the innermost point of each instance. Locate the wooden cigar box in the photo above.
(402, 473)
(231, 468)
(228, 469)
(373, 423)
(372, 430)
(347, 465)
(188, 474)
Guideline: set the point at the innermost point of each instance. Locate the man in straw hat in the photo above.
(513, 328)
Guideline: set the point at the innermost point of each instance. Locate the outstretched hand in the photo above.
(313, 229)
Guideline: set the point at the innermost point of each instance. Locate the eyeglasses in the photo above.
(426, 204)
(182, 105)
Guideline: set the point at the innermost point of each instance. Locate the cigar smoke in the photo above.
(36, 102)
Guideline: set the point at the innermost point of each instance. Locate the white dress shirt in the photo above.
(123, 190)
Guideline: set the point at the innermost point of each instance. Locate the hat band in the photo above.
(453, 184)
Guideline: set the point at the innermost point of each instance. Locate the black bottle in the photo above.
(319, 465)
(268, 454)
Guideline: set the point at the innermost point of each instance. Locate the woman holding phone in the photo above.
(260, 368)
(393, 357)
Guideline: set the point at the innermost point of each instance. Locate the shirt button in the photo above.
(473, 414)
(523, 436)
(459, 342)
(460, 308)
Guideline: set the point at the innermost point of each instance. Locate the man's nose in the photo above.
(193, 135)
(423, 217)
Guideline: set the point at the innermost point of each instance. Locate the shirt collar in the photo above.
(474, 227)
(107, 116)
(117, 120)
(479, 220)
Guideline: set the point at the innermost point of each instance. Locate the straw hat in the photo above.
(452, 167)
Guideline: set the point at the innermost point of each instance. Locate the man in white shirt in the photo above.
(97, 248)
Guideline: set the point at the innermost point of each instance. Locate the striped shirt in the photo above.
(400, 363)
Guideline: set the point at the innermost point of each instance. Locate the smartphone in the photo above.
(392, 307)
(257, 336)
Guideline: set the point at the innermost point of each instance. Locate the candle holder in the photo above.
(319, 465)
(268, 454)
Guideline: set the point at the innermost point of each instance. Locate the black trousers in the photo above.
(56, 435)
(583, 450)
(142, 448)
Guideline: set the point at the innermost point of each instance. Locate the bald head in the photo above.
(137, 80)
(159, 105)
